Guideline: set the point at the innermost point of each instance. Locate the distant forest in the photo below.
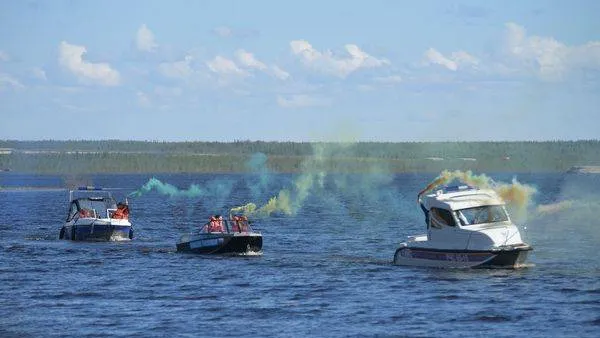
(112, 156)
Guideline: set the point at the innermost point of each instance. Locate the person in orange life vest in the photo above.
(235, 227)
(216, 224)
(122, 211)
(85, 213)
(243, 223)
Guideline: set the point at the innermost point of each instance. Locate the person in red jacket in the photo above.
(122, 211)
(215, 224)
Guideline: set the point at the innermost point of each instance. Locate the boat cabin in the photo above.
(453, 213)
(89, 202)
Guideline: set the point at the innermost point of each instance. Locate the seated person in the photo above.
(239, 224)
(122, 211)
(215, 224)
(85, 213)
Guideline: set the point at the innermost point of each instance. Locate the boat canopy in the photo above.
(456, 199)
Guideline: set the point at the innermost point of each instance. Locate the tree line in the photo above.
(141, 156)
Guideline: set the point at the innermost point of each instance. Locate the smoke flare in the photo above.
(515, 194)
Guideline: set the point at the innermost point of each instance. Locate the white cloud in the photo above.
(224, 66)
(548, 58)
(39, 73)
(178, 69)
(328, 63)
(4, 56)
(279, 73)
(144, 39)
(456, 60)
(247, 59)
(300, 100)
(7, 81)
(463, 58)
(71, 58)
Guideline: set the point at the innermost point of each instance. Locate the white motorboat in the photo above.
(467, 227)
(94, 215)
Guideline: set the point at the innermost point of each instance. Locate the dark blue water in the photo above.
(325, 271)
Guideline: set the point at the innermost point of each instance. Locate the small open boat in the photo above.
(466, 228)
(218, 236)
(94, 215)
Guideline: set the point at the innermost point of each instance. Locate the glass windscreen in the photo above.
(483, 214)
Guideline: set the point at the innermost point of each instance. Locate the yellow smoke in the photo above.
(447, 176)
(288, 201)
(515, 194)
(247, 209)
(279, 203)
(285, 202)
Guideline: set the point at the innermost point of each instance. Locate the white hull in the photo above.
(509, 258)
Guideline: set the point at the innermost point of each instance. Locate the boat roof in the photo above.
(90, 193)
(461, 197)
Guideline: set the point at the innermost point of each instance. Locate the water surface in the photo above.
(324, 272)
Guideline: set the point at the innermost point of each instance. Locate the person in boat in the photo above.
(216, 224)
(240, 224)
(122, 211)
(85, 213)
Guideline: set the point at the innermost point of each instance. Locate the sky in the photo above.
(378, 70)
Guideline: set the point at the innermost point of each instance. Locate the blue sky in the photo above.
(300, 70)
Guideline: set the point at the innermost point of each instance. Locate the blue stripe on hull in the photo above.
(513, 258)
(97, 232)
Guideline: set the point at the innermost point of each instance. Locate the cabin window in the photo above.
(483, 214)
(441, 217)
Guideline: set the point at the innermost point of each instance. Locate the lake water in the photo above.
(325, 271)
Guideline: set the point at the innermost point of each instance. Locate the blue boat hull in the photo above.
(96, 232)
(222, 244)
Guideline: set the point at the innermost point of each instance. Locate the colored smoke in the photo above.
(360, 189)
(167, 189)
(259, 182)
(216, 191)
(517, 195)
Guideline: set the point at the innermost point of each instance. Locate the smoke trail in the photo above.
(287, 201)
(167, 189)
(217, 190)
(257, 164)
(314, 174)
(516, 194)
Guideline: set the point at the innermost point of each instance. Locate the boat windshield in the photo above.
(96, 206)
(482, 214)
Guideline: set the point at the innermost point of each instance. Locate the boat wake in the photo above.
(249, 254)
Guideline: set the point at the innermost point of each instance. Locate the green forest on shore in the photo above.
(114, 156)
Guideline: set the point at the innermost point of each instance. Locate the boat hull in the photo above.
(506, 258)
(103, 232)
(222, 244)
